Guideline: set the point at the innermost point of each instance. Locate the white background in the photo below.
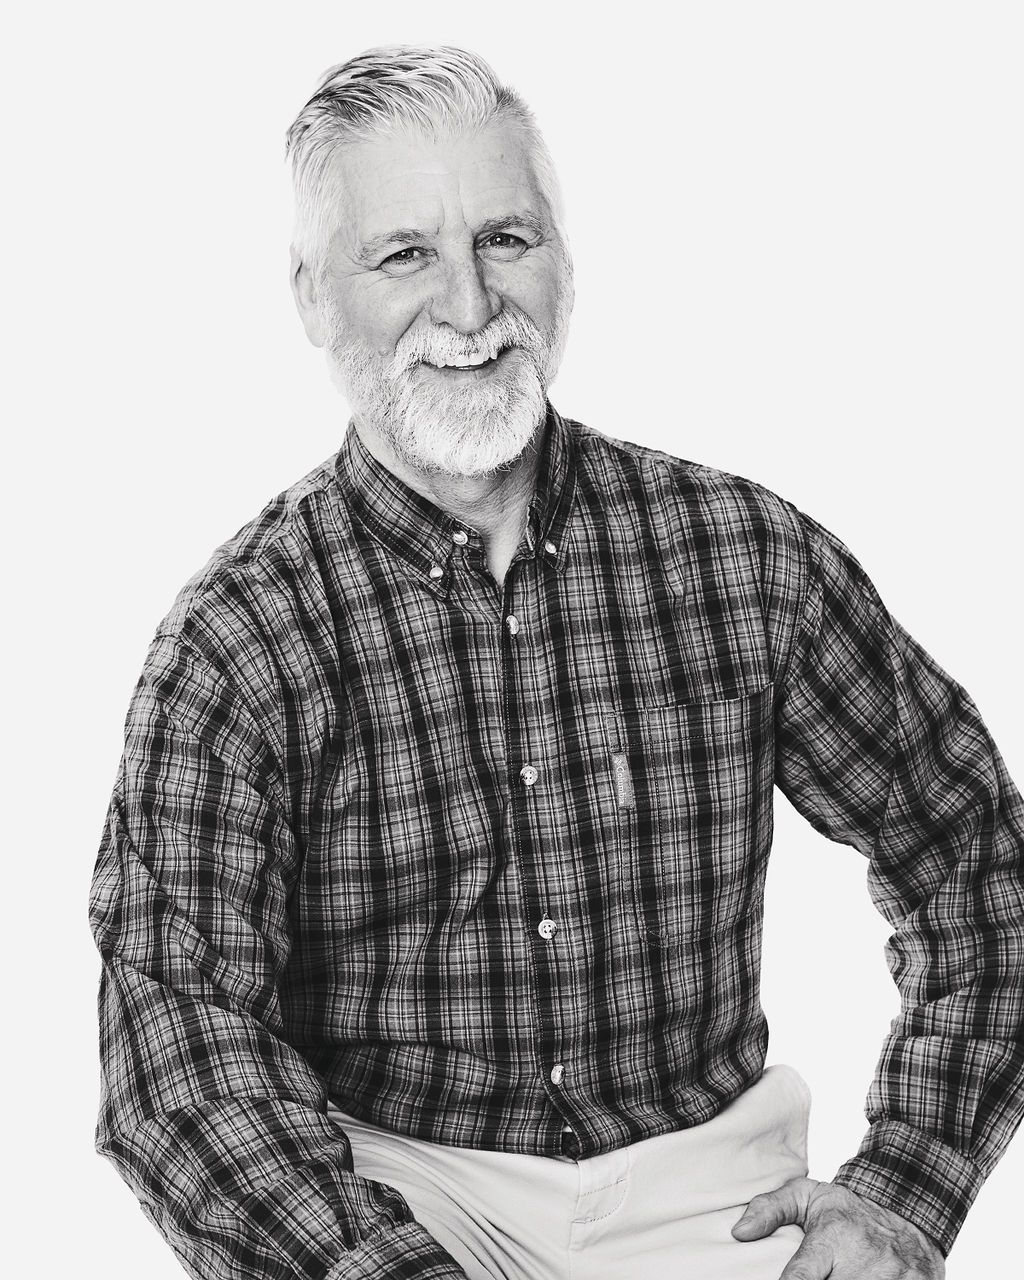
(797, 232)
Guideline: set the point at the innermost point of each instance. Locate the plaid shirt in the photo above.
(484, 864)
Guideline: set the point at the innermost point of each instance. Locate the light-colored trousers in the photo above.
(662, 1207)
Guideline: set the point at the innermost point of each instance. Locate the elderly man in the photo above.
(430, 896)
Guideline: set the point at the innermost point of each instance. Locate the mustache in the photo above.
(509, 328)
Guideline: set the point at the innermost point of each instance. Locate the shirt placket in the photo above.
(546, 915)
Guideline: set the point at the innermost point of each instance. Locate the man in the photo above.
(430, 896)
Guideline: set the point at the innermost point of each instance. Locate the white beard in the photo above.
(448, 428)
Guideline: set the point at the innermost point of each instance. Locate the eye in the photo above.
(403, 260)
(503, 245)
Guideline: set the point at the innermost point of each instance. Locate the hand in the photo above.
(846, 1236)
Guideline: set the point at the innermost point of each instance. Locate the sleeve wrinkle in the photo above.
(811, 597)
(134, 1135)
(200, 657)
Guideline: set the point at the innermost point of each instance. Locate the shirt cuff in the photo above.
(408, 1252)
(916, 1176)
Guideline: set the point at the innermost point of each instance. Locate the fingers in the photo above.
(814, 1260)
(772, 1209)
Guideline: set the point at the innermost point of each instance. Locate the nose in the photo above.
(463, 299)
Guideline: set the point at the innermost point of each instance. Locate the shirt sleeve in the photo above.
(218, 1125)
(880, 749)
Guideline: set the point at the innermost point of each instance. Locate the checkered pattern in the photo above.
(324, 868)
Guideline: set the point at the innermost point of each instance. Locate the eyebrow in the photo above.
(411, 235)
(528, 220)
(403, 235)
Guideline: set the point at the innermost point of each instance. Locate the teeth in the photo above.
(466, 362)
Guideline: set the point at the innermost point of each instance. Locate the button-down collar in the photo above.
(414, 528)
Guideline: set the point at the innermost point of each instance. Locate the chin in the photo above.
(460, 458)
(470, 439)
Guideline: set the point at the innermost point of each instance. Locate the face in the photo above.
(444, 300)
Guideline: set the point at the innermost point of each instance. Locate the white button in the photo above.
(528, 774)
(550, 547)
(436, 571)
(512, 622)
(557, 1073)
(461, 537)
(547, 928)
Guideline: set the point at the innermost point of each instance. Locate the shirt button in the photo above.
(547, 930)
(550, 547)
(529, 774)
(460, 537)
(436, 572)
(557, 1073)
(512, 622)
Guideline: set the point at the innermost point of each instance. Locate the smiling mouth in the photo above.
(468, 364)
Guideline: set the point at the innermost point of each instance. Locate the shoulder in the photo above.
(700, 497)
(273, 556)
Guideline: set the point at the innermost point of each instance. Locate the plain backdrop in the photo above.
(797, 235)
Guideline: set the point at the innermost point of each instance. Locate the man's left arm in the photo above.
(880, 749)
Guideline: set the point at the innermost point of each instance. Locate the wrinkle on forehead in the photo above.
(412, 181)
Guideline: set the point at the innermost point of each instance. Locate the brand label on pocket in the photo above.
(623, 781)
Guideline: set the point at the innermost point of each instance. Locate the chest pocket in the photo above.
(692, 785)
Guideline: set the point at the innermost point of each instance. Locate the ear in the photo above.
(304, 293)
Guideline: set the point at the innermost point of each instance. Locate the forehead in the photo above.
(416, 181)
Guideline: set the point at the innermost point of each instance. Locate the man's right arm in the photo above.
(217, 1124)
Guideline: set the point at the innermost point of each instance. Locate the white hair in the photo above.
(441, 91)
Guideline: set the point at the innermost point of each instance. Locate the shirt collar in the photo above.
(419, 532)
